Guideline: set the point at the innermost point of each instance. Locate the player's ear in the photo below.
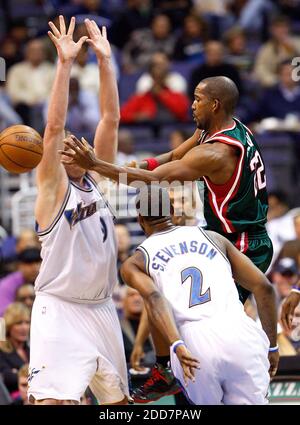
(216, 105)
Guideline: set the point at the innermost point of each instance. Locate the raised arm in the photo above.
(51, 176)
(106, 136)
(250, 277)
(158, 309)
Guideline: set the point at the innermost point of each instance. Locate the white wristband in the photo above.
(175, 345)
(273, 349)
(297, 290)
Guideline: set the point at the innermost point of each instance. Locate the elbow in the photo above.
(112, 119)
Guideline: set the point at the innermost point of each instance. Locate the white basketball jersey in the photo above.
(79, 249)
(192, 273)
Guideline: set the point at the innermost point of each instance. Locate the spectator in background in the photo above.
(83, 110)
(132, 310)
(214, 65)
(25, 294)
(176, 10)
(289, 340)
(283, 98)
(189, 46)
(143, 43)
(10, 52)
(292, 248)
(177, 137)
(282, 45)
(285, 274)
(237, 53)
(136, 15)
(160, 65)
(159, 104)
(22, 399)
(86, 72)
(125, 154)
(280, 226)
(29, 82)
(14, 352)
(124, 244)
(8, 115)
(29, 262)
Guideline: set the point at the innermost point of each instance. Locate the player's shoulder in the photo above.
(219, 240)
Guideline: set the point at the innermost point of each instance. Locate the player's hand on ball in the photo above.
(79, 152)
(188, 363)
(288, 309)
(273, 359)
(98, 41)
(67, 49)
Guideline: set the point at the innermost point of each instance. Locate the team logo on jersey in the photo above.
(81, 212)
(33, 372)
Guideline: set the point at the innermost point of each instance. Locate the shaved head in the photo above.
(223, 89)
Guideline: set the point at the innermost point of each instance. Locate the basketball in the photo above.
(21, 148)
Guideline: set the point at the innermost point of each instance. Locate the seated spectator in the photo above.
(159, 104)
(285, 274)
(132, 311)
(14, 352)
(135, 15)
(29, 262)
(213, 66)
(125, 154)
(280, 225)
(29, 82)
(160, 64)
(22, 399)
(190, 44)
(10, 52)
(237, 53)
(176, 10)
(143, 43)
(281, 46)
(83, 110)
(85, 72)
(289, 340)
(26, 295)
(282, 99)
(8, 115)
(292, 248)
(177, 137)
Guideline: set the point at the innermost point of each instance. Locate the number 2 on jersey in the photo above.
(196, 297)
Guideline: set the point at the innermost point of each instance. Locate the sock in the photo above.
(163, 360)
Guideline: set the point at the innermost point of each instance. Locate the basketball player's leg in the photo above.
(246, 377)
(161, 381)
(203, 343)
(63, 359)
(110, 382)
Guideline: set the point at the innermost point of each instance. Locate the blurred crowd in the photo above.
(161, 49)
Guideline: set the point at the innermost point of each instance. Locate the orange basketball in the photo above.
(21, 148)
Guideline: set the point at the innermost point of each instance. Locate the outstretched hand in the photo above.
(79, 152)
(67, 49)
(97, 40)
(188, 363)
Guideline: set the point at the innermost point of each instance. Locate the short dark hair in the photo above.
(153, 202)
(224, 89)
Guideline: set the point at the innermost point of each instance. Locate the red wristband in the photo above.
(152, 163)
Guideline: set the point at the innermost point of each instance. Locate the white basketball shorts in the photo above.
(75, 345)
(234, 363)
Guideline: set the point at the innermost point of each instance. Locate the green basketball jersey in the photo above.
(240, 205)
